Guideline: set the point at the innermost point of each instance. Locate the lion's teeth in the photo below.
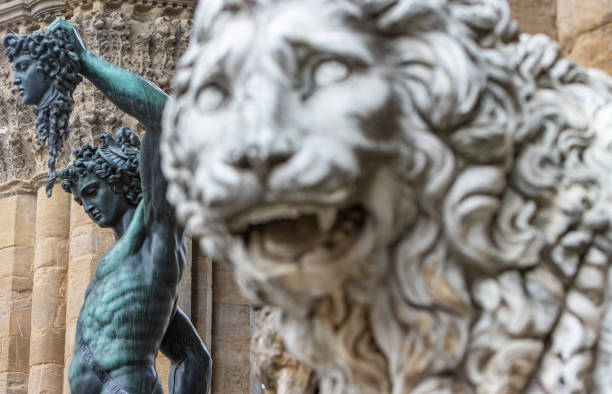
(326, 219)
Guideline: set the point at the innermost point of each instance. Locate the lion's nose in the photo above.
(260, 159)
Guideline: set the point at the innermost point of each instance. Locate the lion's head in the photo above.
(399, 178)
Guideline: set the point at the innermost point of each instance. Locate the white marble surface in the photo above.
(423, 195)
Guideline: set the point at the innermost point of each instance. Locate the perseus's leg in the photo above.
(191, 364)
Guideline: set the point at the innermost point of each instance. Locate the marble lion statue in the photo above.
(423, 195)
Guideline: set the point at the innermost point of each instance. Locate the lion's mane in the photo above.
(499, 284)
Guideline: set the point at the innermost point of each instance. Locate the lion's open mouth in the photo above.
(308, 235)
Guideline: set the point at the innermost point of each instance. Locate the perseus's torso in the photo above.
(127, 308)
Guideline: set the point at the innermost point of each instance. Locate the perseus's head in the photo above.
(105, 179)
(46, 72)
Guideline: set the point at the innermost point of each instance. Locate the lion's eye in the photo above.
(211, 97)
(330, 71)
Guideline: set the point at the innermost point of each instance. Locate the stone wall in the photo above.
(582, 27)
(584, 32)
(538, 16)
(49, 247)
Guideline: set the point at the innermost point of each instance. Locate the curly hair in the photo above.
(53, 112)
(116, 161)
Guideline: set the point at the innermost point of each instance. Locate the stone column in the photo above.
(49, 291)
(88, 242)
(231, 333)
(17, 234)
(185, 286)
(201, 295)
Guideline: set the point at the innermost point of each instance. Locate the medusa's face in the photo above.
(100, 202)
(29, 81)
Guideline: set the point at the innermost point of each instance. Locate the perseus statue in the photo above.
(130, 308)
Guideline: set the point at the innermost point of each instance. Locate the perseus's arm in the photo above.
(143, 100)
(131, 93)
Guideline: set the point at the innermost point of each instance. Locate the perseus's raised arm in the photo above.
(141, 99)
(131, 93)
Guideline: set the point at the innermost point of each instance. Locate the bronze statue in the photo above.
(130, 308)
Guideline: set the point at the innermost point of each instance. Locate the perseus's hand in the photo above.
(71, 31)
